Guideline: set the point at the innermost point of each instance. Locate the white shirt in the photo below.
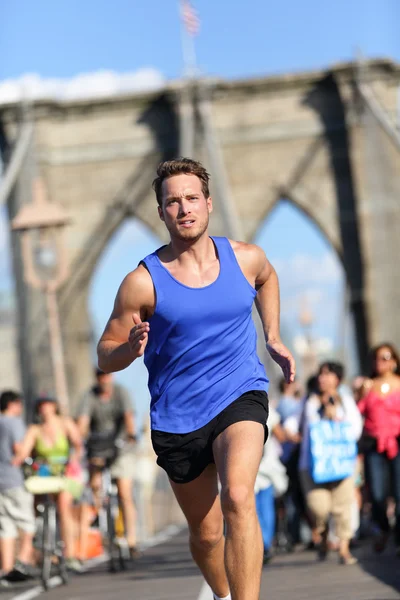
(346, 411)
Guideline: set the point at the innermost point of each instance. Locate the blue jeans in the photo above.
(265, 505)
(383, 478)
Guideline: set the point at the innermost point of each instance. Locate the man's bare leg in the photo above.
(201, 506)
(237, 452)
(125, 493)
(25, 553)
(7, 553)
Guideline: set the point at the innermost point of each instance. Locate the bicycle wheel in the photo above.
(49, 542)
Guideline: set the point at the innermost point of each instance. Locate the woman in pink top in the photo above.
(381, 439)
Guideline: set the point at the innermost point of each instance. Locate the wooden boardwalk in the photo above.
(166, 572)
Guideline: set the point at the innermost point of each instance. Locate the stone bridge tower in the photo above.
(324, 140)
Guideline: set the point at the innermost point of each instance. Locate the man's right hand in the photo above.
(281, 355)
(138, 336)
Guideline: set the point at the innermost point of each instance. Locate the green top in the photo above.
(59, 451)
(57, 456)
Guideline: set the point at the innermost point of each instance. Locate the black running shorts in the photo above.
(184, 456)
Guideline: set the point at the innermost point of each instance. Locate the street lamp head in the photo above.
(40, 213)
(41, 224)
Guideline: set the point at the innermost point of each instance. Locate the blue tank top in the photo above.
(201, 354)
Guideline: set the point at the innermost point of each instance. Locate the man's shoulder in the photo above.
(11, 427)
(251, 258)
(137, 290)
(137, 278)
(250, 253)
(119, 391)
(10, 421)
(89, 393)
(245, 247)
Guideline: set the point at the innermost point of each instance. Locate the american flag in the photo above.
(189, 17)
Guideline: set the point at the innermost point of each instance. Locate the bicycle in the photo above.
(101, 454)
(46, 480)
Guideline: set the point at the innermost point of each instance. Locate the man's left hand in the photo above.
(281, 355)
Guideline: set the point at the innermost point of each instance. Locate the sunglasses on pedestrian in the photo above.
(384, 357)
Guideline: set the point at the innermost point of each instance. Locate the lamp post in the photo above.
(309, 356)
(45, 268)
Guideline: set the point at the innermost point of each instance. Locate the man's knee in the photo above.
(237, 499)
(206, 538)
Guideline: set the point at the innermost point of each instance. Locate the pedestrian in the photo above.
(380, 407)
(188, 309)
(55, 441)
(335, 495)
(16, 504)
(105, 417)
(271, 483)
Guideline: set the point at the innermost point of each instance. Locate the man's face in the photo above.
(105, 382)
(185, 210)
(17, 408)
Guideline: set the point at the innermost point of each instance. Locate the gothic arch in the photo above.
(304, 137)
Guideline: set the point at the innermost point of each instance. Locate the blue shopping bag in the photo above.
(333, 450)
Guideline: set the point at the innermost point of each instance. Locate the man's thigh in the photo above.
(124, 466)
(8, 528)
(200, 503)
(184, 457)
(237, 452)
(17, 512)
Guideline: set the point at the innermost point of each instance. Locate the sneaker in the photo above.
(134, 552)
(323, 547)
(381, 542)
(21, 572)
(73, 565)
(348, 560)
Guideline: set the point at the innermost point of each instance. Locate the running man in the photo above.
(188, 308)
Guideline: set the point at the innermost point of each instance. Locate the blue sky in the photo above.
(63, 38)
(237, 39)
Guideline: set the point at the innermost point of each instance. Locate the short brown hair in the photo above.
(180, 166)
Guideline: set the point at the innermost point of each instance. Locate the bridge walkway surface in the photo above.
(167, 572)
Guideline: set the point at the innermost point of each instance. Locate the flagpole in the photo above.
(186, 108)
(188, 47)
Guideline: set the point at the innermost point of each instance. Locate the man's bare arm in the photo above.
(262, 276)
(129, 421)
(126, 333)
(268, 306)
(260, 273)
(267, 299)
(83, 423)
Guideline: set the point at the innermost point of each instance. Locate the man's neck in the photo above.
(8, 413)
(188, 253)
